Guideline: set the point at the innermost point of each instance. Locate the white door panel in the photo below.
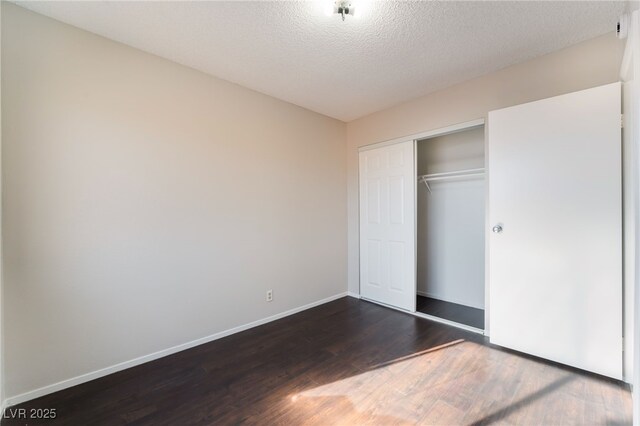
(556, 268)
(387, 225)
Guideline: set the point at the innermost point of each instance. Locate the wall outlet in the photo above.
(269, 295)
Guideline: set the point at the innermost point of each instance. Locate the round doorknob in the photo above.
(497, 229)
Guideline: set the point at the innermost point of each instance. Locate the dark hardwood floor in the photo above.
(452, 311)
(345, 362)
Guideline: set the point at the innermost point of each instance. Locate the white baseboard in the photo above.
(74, 381)
(352, 294)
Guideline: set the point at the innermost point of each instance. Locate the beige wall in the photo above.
(588, 64)
(147, 204)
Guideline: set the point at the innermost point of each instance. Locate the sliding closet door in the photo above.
(387, 225)
(555, 212)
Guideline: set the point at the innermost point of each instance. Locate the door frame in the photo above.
(441, 131)
(630, 74)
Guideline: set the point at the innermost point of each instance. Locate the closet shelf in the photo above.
(458, 174)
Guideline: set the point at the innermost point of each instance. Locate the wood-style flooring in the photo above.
(451, 311)
(346, 362)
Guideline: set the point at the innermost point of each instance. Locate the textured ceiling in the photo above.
(395, 52)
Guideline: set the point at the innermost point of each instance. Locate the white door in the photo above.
(387, 225)
(556, 263)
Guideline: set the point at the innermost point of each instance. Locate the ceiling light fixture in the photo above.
(341, 7)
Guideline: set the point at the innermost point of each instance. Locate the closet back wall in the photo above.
(451, 220)
(147, 204)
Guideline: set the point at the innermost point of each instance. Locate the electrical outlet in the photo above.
(269, 295)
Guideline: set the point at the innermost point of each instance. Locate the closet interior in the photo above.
(451, 227)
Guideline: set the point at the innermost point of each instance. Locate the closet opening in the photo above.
(450, 236)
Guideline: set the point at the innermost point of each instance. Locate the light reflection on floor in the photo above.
(460, 382)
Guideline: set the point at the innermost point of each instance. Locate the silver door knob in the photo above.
(497, 229)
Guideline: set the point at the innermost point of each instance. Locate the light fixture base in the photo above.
(343, 8)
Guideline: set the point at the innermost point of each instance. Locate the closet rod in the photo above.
(453, 174)
(431, 179)
(449, 175)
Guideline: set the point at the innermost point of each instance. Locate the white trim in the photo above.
(627, 58)
(428, 134)
(487, 225)
(352, 294)
(447, 322)
(45, 390)
(631, 64)
(415, 225)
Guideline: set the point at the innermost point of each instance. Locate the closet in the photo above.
(450, 236)
(518, 236)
